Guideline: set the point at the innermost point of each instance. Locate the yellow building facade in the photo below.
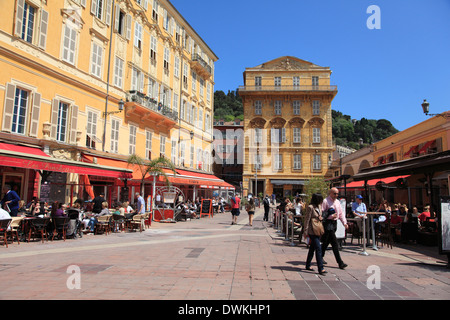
(287, 125)
(68, 66)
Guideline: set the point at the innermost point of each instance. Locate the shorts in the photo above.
(235, 211)
(251, 212)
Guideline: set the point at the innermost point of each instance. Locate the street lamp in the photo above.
(426, 109)
(121, 104)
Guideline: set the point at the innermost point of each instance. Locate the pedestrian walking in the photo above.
(314, 212)
(235, 211)
(250, 207)
(266, 203)
(331, 212)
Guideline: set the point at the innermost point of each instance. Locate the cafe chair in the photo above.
(103, 224)
(61, 224)
(118, 222)
(38, 226)
(356, 233)
(137, 222)
(4, 225)
(14, 228)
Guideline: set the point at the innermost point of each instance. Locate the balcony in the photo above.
(149, 109)
(200, 66)
(292, 88)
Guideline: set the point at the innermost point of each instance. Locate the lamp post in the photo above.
(426, 110)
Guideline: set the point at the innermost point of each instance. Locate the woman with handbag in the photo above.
(313, 231)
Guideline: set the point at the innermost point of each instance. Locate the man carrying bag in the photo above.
(331, 212)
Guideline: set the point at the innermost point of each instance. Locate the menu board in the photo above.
(206, 207)
(444, 226)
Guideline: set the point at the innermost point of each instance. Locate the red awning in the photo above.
(411, 150)
(22, 149)
(426, 146)
(35, 159)
(371, 183)
(203, 180)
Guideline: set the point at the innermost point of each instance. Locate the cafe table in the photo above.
(374, 243)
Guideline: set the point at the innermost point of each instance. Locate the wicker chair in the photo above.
(14, 228)
(4, 225)
(103, 224)
(137, 222)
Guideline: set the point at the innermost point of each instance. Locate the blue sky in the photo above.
(380, 74)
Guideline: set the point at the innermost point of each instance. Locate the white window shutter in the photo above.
(19, 18)
(43, 30)
(9, 107)
(34, 123)
(128, 26)
(108, 12)
(54, 118)
(74, 125)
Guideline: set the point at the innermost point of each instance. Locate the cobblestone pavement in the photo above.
(210, 259)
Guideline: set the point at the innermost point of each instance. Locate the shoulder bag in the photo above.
(317, 226)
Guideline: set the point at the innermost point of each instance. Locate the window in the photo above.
(191, 157)
(166, 60)
(153, 49)
(278, 105)
(258, 107)
(194, 81)
(120, 22)
(200, 119)
(137, 35)
(162, 145)
(202, 87)
(315, 82)
(278, 135)
(19, 118)
(132, 140)
(91, 129)
(69, 44)
(28, 22)
(297, 162)
(258, 135)
(316, 107)
(296, 82)
(258, 82)
(148, 145)
(277, 81)
(118, 72)
(296, 135)
(176, 70)
(316, 135)
(258, 162)
(115, 124)
(97, 8)
(208, 92)
(155, 10)
(61, 127)
(185, 76)
(317, 162)
(278, 162)
(182, 152)
(137, 80)
(296, 107)
(174, 151)
(96, 60)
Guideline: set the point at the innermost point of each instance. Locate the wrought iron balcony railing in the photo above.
(152, 104)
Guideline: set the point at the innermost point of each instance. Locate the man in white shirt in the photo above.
(332, 211)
